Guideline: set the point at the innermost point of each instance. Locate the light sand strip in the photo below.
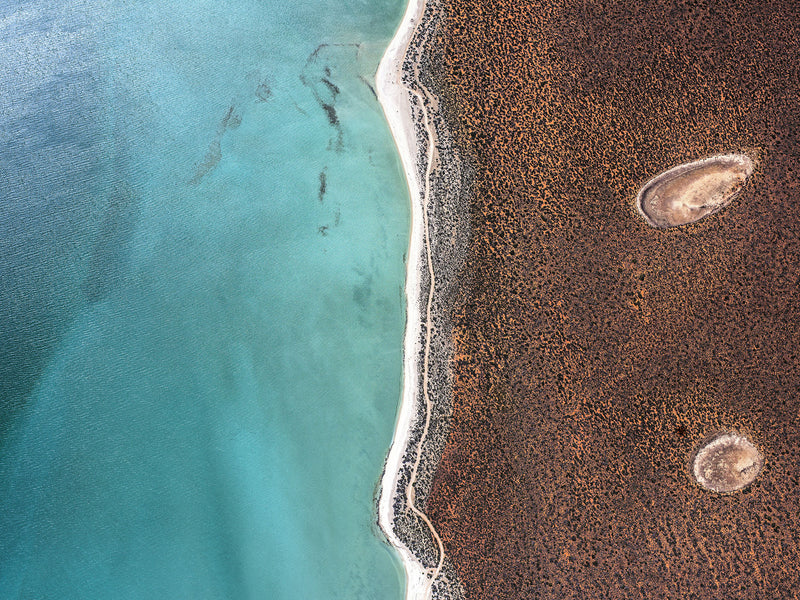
(396, 100)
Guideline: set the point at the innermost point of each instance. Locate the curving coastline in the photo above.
(436, 177)
(597, 356)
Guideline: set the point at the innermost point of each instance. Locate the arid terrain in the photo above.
(595, 354)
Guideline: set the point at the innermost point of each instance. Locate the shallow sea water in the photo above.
(202, 243)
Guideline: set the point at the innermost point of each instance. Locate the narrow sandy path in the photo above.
(410, 492)
(400, 100)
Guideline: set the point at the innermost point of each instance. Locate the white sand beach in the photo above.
(396, 100)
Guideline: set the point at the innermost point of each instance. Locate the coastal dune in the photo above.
(436, 178)
(395, 100)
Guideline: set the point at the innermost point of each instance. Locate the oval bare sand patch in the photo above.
(691, 191)
(728, 463)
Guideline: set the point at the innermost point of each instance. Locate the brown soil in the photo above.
(594, 353)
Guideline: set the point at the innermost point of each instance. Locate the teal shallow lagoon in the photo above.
(204, 224)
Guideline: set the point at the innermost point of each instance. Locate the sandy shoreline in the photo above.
(407, 112)
(396, 103)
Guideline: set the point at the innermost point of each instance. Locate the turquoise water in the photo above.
(202, 234)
